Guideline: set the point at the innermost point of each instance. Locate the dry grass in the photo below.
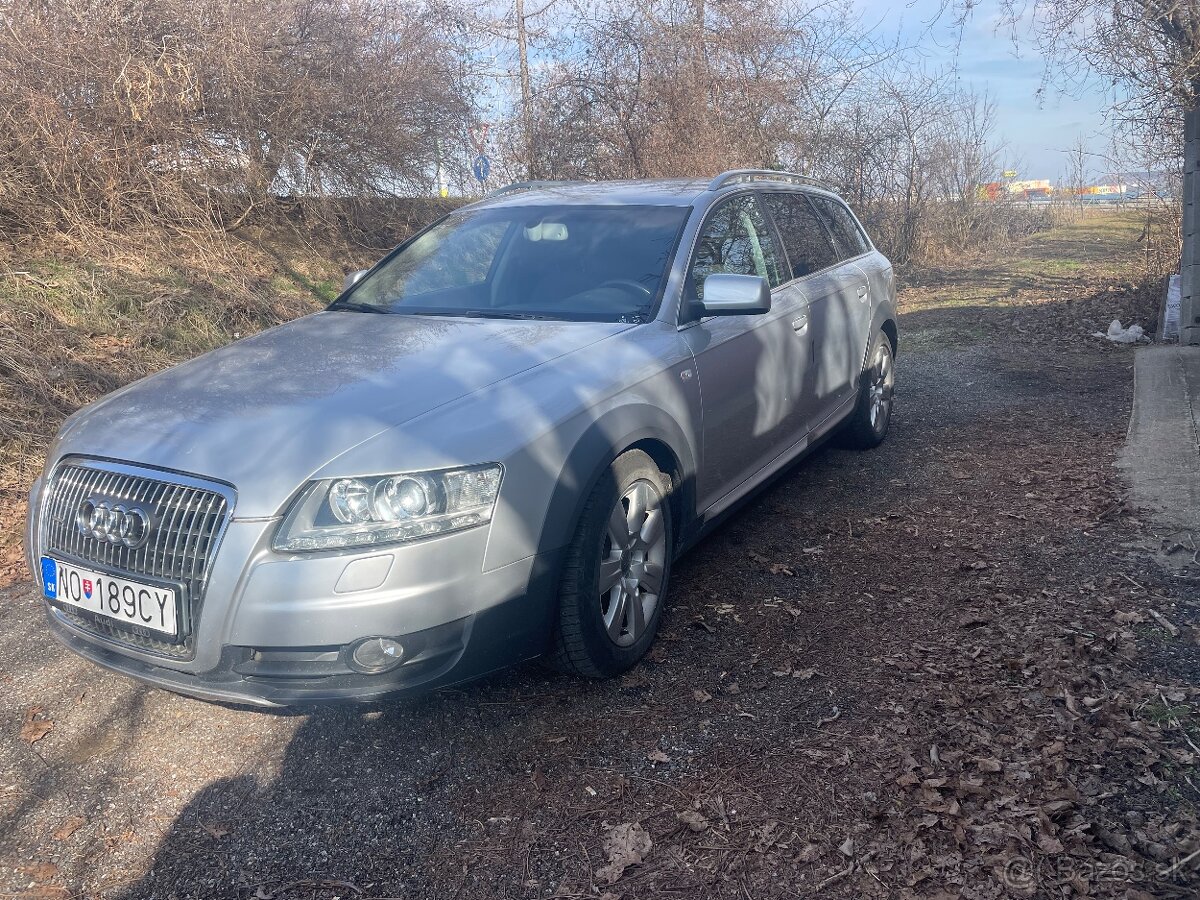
(1059, 286)
(76, 323)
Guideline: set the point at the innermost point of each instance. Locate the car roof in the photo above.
(648, 192)
(644, 192)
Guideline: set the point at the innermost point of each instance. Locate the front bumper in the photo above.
(437, 657)
(276, 629)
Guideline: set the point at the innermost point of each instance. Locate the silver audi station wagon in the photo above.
(489, 448)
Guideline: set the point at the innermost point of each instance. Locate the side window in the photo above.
(736, 240)
(846, 234)
(804, 237)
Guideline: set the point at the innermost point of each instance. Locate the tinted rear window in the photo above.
(804, 238)
(846, 234)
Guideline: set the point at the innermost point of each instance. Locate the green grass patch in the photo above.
(1161, 712)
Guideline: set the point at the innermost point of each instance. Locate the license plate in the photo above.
(149, 606)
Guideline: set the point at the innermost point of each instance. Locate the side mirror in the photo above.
(352, 279)
(733, 295)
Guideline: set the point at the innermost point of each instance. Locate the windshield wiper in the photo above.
(500, 314)
(353, 306)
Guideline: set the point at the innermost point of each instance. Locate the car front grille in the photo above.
(187, 521)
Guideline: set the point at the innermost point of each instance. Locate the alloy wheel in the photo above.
(882, 383)
(632, 563)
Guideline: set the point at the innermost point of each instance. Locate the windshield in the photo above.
(597, 263)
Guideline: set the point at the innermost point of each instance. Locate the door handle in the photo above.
(862, 291)
(800, 324)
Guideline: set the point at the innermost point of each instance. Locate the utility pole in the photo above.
(526, 91)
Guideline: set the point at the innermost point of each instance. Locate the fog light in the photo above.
(375, 655)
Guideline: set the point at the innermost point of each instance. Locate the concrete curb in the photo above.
(1161, 457)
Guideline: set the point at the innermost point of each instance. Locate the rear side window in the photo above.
(847, 235)
(737, 240)
(804, 237)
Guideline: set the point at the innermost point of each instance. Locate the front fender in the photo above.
(591, 442)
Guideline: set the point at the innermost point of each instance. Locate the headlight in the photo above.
(388, 509)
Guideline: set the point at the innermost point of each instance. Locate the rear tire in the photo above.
(617, 568)
(868, 424)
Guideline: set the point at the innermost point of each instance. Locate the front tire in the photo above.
(617, 568)
(868, 424)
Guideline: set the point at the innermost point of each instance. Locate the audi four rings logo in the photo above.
(112, 521)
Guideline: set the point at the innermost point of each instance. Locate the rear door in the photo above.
(814, 272)
(748, 366)
(843, 348)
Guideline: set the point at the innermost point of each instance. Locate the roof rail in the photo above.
(517, 186)
(747, 176)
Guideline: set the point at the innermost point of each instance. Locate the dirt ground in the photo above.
(950, 667)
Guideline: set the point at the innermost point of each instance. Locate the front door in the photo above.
(750, 367)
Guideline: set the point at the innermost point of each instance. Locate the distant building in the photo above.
(1039, 187)
(995, 190)
(1145, 183)
(1116, 186)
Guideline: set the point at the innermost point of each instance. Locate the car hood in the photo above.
(265, 413)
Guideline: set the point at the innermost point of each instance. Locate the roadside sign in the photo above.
(481, 167)
(479, 135)
(1009, 174)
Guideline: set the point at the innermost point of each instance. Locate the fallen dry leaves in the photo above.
(984, 722)
(41, 884)
(36, 725)
(68, 827)
(216, 830)
(43, 892)
(625, 845)
(39, 870)
(693, 819)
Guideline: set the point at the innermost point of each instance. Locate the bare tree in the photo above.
(684, 87)
(215, 112)
(1145, 52)
(195, 112)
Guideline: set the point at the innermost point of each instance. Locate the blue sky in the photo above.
(1036, 129)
